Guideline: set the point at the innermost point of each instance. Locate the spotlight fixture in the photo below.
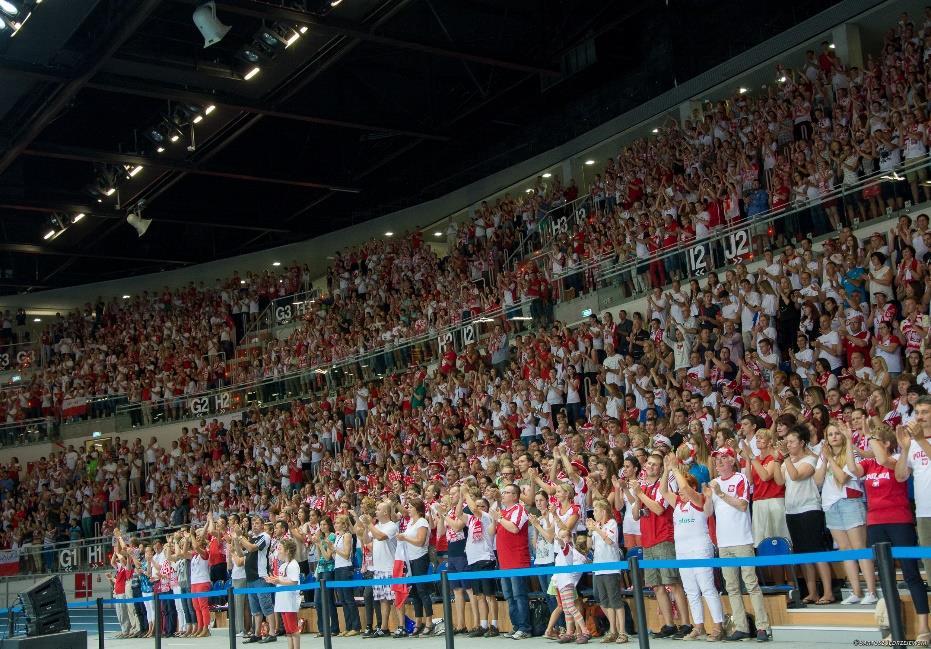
(9, 8)
(209, 109)
(49, 235)
(276, 263)
(77, 217)
(437, 234)
(125, 297)
(547, 175)
(251, 73)
(589, 162)
(742, 91)
(135, 219)
(389, 234)
(2, 24)
(37, 319)
(210, 27)
(655, 130)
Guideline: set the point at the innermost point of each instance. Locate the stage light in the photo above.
(655, 130)
(2, 24)
(276, 263)
(529, 190)
(125, 297)
(139, 223)
(303, 29)
(209, 109)
(37, 319)
(160, 149)
(742, 91)
(49, 235)
(389, 234)
(110, 191)
(251, 73)
(9, 8)
(437, 234)
(782, 79)
(77, 217)
(547, 175)
(210, 27)
(175, 137)
(134, 171)
(831, 46)
(589, 162)
(198, 119)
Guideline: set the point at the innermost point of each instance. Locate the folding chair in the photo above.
(777, 546)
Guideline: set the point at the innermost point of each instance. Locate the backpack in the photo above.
(539, 616)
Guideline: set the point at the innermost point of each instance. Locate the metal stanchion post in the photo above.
(231, 616)
(157, 607)
(883, 554)
(447, 609)
(99, 622)
(324, 624)
(636, 578)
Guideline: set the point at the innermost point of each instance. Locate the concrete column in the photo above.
(846, 39)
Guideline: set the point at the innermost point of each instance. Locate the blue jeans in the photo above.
(515, 592)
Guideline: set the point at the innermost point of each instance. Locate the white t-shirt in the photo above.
(383, 551)
(830, 338)
(606, 552)
(568, 556)
(340, 545)
(480, 542)
(288, 601)
(417, 551)
(733, 526)
(831, 492)
(200, 570)
(801, 495)
(690, 530)
(921, 470)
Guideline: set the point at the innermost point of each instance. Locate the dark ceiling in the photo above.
(379, 104)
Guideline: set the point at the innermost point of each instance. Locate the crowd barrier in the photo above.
(883, 553)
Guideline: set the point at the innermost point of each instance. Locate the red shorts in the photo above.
(290, 622)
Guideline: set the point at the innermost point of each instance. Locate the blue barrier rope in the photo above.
(615, 566)
(916, 552)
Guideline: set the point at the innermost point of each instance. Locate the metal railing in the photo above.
(280, 312)
(416, 351)
(740, 240)
(29, 431)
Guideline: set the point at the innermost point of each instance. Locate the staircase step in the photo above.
(824, 634)
(831, 616)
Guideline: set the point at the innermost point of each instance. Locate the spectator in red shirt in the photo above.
(889, 515)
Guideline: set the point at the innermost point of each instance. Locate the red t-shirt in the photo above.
(215, 552)
(513, 547)
(764, 489)
(655, 529)
(886, 497)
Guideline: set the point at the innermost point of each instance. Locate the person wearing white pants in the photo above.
(693, 541)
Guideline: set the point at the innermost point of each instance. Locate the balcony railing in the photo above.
(414, 352)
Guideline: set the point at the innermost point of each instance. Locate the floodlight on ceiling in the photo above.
(209, 26)
(77, 217)
(2, 24)
(9, 8)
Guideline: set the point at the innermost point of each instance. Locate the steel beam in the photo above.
(92, 155)
(128, 26)
(333, 25)
(100, 212)
(31, 249)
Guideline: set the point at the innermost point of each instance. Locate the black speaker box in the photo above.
(46, 608)
(66, 640)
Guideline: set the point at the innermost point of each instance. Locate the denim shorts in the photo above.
(845, 514)
(263, 603)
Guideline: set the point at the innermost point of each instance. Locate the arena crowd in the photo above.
(789, 400)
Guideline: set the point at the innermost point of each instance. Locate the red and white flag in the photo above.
(9, 562)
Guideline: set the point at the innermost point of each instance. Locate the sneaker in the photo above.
(519, 635)
(399, 633)
(851, 599)
(369, 633)
(762, 635)
(683, 631)
(269, 638)
(667, 631)
(380, 633)
(506, 634)
(869, 599)
(737, 636)
(478, 632)
(492, 632)
(253, 638)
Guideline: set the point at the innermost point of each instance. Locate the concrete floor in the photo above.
(221, 641)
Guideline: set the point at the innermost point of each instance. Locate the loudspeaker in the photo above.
(46, 608)
(67, 640)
